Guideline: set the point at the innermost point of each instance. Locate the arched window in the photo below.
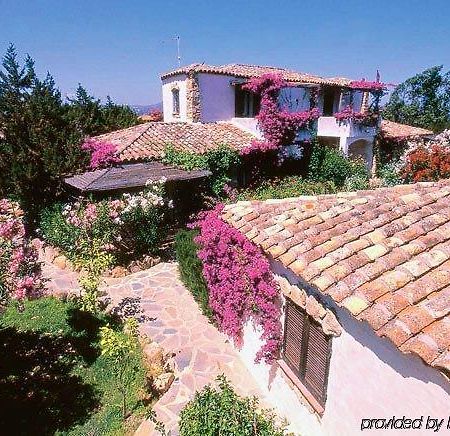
(176, 101)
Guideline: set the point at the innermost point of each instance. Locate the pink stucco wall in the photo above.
(368, 378)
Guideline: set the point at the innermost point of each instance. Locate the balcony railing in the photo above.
(329, 126)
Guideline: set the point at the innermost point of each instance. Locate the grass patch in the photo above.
(53, 379)
(190, 268)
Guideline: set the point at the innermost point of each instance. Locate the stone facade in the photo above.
(193, 101)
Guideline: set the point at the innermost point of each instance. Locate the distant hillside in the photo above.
(145, 109)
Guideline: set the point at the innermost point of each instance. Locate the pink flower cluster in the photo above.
(103, 154)
(368, 85)
(279, 127)
(20, 274)
(348, 114)
(241, 285)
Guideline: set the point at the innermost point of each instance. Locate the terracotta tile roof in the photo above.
(392, 130)
(248, 71)
(383, 254)
(128, 176)
(148, 141)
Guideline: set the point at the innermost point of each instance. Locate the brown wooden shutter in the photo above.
(316, 365)
(293, 346)
(306, 350)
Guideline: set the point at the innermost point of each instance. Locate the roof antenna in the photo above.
(177, 39)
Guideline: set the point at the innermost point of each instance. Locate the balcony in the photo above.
(328, 126)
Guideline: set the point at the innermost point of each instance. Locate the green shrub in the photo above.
(356, 182)
(389, 174)
(290, 186)
(184, 159)
(144, 230)
(329, 164)
(190, 268)
(220, 411)
(56, 230)
(97, 234)
(222, 162)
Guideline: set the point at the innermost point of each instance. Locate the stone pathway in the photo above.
(201, 351)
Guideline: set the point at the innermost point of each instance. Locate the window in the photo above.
(306, 350)
(247, 104)
(328, 101)
(176, 101)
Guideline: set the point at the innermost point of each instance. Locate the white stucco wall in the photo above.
(368, 378)
(167, 85)
(217, 97)
(282, 398)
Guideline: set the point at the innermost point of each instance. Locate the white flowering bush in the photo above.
(121, 229)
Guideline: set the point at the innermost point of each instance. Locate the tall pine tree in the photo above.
(38, 143)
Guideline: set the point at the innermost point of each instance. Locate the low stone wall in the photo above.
(53, 255)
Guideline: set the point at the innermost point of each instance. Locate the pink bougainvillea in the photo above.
(103, 154)
(20, 273)
(241, 285)
(368, 85)
(348, 114)
(279, 127)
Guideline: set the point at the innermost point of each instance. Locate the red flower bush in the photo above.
(279, 127)
(103, 154)
(20, 273)
(427, 164)
(240, 283)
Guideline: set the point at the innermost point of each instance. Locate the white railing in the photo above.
(329, 126)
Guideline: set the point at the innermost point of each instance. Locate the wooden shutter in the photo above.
(293, 336)
(316, 364)
(306, 349)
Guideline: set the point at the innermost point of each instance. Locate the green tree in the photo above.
(38, 142)
(422, 100)
(40, 134)
(91, 118)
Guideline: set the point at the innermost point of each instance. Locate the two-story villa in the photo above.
(206, 106)
(201, 93)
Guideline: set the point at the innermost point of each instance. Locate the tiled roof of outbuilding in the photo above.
(392, 130)
(148, 140)
(248, 71)
(129, 176)
(383, 254)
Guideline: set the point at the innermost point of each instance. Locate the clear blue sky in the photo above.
(120, 47)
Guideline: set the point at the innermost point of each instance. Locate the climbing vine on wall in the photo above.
(279, 126)
(240, 283)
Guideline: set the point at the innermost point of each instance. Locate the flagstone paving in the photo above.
(174, 321)
(201, 351)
